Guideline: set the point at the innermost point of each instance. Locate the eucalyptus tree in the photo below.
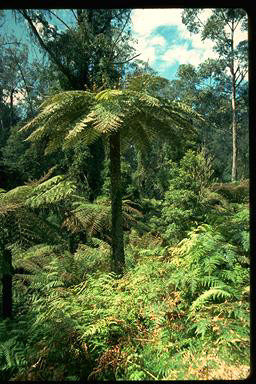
(131, 115)
(87, 46)
(222, 27)
(208, 85)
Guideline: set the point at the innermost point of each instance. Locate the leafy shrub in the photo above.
(189, 201)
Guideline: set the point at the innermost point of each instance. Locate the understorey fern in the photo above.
(141, 326)
(161, 321)
(95, 218)
(213, 284)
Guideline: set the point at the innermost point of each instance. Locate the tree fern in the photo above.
(84, 115)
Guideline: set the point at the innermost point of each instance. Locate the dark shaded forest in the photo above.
(124, 203)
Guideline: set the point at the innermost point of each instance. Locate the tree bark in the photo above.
(117, 260)
(234, 132)
(7, 284)
(234, 124)
(11, 107)
(27, 89)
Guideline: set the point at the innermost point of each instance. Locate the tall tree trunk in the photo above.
(7, 284)
(234, 132)
(118, 260)
(234, 125)
(27, 90)
(11, 107)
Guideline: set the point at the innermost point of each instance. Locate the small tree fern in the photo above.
(22, 225)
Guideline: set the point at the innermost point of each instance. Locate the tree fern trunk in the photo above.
(7, 284)
(118, 260)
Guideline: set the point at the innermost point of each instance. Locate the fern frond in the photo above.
(59, 113)
(83, 126)
(107, 117)
(107, 94)
(43, 178)
(210, 294)
(51, 191)
(77, 114)
(17, 194)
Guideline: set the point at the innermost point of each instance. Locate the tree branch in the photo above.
(63, 22)
(238, 22)
(63, 69)
(126, 61)
(12, 42)
(74, 14)
(115, 42)
(242, 77)
(225, 19)
(200, 22)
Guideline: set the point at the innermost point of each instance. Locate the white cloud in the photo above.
(239, 36)
(158, 40)
(182, 54)
(146, 21)
(148, 54)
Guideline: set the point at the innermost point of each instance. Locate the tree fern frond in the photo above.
(68, 96)
(96, 217)
(51, 191)
(6, 208)
(72, 115)
(127, 207)
(107, 117)
(107, 94)
(58, 114)
(80, 126)
(17, 194)
(142, 98)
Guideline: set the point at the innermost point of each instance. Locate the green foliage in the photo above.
(52, 191)
(189, 200)
(87, 115)
(19, 221)
(180, 311)
(189, 300)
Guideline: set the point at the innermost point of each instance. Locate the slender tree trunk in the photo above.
(11, 106)
(234, 132)
(7, 284)
(118, 260)
(234, 125)
(27, 90)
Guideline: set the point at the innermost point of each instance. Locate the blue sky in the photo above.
(165, 42)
